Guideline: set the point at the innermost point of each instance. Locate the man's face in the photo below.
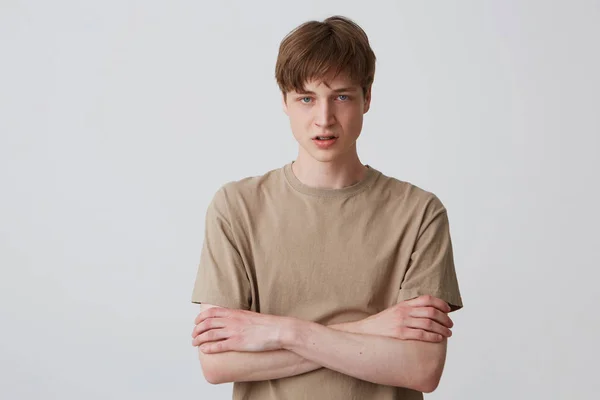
(332, 108)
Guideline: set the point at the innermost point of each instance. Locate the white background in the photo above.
(120, 119)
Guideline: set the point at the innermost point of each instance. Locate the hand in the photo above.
(223, 329)
(423, 318)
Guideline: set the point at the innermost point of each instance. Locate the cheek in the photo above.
(300, 118)
(300, 124)
(352, 118)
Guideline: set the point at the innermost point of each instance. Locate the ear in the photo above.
(284, 103)
(367, 103)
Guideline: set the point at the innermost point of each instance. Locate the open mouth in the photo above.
(323, 138)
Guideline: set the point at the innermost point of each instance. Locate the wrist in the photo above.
(292, 331)
(350, 327)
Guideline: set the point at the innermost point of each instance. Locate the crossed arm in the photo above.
(404, 345)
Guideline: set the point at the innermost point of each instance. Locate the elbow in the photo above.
(215, 376)
(212, 377)
(431, 368)
(212, 370)
(211, 374)
(428, 382)
(430, 379)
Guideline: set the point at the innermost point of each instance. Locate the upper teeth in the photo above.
(325, 137)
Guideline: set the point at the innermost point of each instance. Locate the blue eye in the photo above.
(305, 98)
(343, 97)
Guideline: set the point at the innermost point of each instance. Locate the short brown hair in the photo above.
(315, 48)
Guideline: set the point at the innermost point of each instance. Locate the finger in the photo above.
(428, 300)
(421, 335)
(211, 313)
(210, 323)
(216, 347)
(211, 336)
(429, 325)
(432, 313)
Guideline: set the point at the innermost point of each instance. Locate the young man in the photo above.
(325, 278)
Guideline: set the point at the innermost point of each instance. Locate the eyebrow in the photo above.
(340, 90)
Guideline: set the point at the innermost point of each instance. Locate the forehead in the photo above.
(331, 83)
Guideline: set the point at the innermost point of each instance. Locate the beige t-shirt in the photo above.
(276, 246)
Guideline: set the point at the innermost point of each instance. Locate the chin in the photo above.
(326, 156)
(329, 155)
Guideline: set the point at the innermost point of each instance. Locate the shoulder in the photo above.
(246, 191)
(410, 195)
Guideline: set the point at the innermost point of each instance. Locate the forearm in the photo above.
(234, 366)
(382, 360)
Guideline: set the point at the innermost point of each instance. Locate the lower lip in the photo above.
(325, 144)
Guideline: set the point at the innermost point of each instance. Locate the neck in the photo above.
(335, 174)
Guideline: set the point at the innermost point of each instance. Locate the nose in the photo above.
(325, 115)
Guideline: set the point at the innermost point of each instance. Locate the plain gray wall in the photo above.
(120, 119)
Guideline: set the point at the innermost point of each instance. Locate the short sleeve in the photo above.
(221, 279)
(431, 267)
